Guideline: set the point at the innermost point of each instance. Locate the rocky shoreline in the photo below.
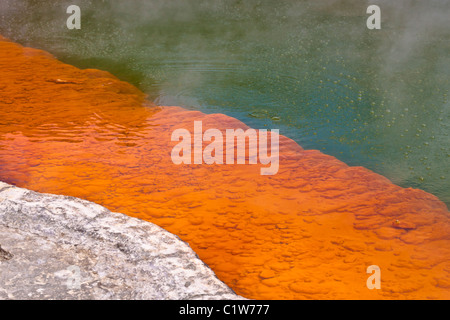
(60, 247)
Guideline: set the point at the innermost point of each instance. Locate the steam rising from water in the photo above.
(311, 68)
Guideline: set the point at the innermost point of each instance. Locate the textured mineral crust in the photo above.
(59, 247)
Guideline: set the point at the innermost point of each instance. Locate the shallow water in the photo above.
(377, 99)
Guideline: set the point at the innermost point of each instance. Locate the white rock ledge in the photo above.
(59, 247)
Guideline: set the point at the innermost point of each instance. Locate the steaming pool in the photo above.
(367, 112)
(312, 69)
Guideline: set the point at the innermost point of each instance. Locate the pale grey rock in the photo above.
(59, 247)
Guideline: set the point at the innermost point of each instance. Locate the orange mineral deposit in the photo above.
(308, 232)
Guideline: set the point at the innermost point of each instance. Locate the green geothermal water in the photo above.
(372, 98)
